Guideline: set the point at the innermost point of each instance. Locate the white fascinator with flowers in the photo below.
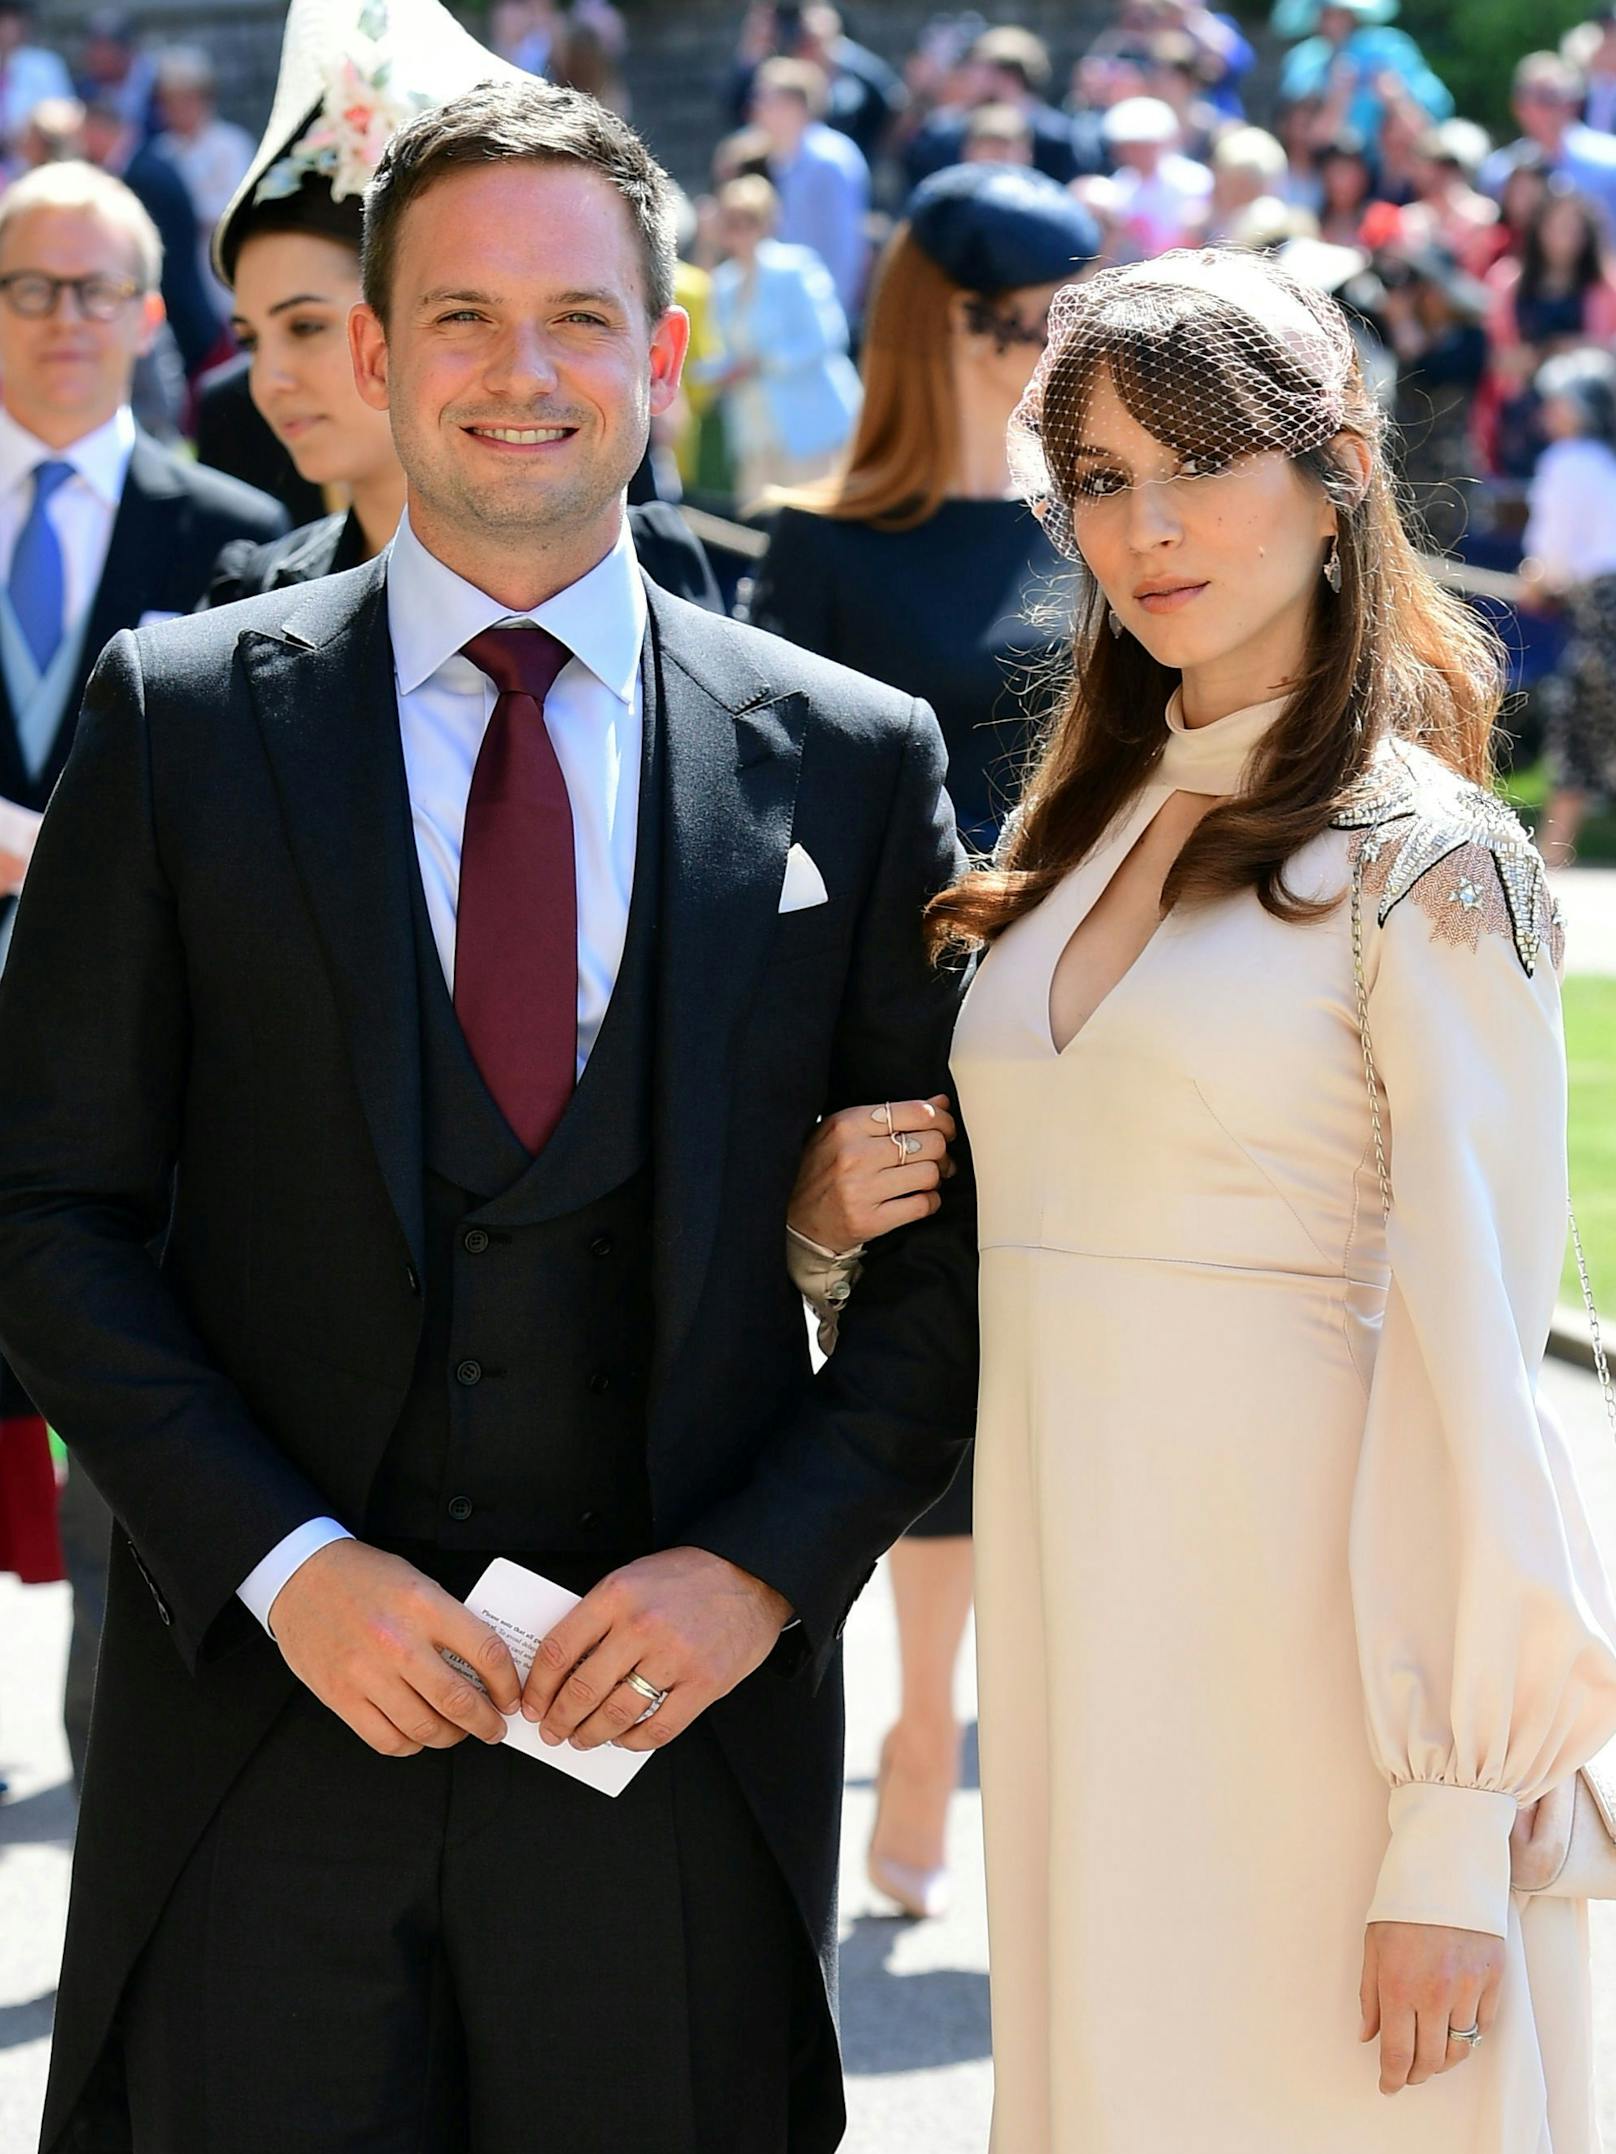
(352, 73)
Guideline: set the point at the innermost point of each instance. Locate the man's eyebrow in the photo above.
(595, 297)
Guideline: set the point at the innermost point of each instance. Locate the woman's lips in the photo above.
(290, 429)
(1170, 601)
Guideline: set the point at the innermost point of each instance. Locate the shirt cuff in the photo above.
(259, 1588)
(1448, 1862)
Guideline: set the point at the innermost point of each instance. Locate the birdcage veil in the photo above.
(1216, 352)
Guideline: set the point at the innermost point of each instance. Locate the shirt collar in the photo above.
(432, 613)
(101, 458)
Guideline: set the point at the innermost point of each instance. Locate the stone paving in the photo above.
(914, 1996)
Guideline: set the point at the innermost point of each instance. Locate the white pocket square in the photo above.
(804, 885)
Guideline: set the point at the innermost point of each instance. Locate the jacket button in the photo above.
(460, 1509)
(469, 1372)
(602, 1246)
(412, 1278)
(588, 1518)
(600, 1383)
(475, 1242)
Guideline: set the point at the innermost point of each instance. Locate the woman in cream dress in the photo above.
(1287, 1602)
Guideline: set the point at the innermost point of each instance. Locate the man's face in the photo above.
(782, 116)
(63, 373)
(518, 365)
(1542, 112)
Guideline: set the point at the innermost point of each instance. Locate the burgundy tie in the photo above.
(516, 931)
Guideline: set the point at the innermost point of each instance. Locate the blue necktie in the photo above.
(36, 569)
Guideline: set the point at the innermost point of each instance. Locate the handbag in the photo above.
(1563, 1845)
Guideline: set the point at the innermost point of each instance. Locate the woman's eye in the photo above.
(1096, 484)
(308, 328)
(1205, 466)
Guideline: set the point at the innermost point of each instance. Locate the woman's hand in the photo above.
(1419, 1981)
(855, 1184)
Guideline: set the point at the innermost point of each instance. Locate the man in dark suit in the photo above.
(479, 934)
(116, 145)
(99, 530)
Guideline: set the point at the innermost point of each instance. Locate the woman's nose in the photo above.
(1151, 519)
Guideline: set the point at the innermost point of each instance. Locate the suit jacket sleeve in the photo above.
(95, 1019)
(888, 1420)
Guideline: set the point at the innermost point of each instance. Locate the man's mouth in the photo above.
(524, 437)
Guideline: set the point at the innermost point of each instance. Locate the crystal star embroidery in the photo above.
(1457, 850)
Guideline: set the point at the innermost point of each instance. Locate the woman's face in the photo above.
(1345, 181)
(1524, 194)
(1562, 234)
(1213, 569)
(292, 297)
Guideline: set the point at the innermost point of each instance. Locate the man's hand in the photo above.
(1419, 1981)
(687, 1622)
(362, 1630)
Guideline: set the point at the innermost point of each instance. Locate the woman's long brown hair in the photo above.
(1392, 653)
(900, 467)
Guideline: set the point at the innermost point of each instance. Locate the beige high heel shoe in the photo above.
(922, 1894)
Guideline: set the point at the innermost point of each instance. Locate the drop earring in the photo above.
(1332, 566)
(1113, 620)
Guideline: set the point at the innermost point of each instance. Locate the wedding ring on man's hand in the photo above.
(655, 1699)
(1470, 2036)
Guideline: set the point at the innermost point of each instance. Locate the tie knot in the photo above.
(48, 477)
(519, 661)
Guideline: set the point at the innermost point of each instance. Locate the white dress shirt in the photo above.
(83, 508)
(595, 718)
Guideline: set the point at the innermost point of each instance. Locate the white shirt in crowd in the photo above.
(1162, 209)
(83, 509)
(595, 717)
(1571, 528)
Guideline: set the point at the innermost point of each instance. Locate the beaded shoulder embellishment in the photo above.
(1458, 851)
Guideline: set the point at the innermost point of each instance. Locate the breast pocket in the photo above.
(815, 931)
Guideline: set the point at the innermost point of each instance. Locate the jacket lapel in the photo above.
(732, 753)
(327, 708)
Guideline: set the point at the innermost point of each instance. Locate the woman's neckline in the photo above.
(1213, 758)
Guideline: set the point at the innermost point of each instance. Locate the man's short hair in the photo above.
(75, 185)
(794, 78)
(519, 123)
(1254, 151)
(186, 67)
(1015, 51)
(999, 123)
(1548, 71)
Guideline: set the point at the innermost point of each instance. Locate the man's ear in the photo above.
(670, 343)
(153, 314)
(367, 348)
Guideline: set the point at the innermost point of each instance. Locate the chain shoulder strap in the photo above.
(1372, 1081)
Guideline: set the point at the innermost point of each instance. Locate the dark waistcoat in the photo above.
(525, 1425)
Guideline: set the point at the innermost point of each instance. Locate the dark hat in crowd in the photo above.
(998, 228)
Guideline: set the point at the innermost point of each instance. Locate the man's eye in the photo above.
(595, 321)
(461, 314)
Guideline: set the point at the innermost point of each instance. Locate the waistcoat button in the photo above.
(589, 1518)
(600, 1382)
(601, 1246)
(469, 1372)
(460, 1509)
(476, 1242)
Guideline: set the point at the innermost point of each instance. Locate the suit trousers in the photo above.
(468, 1952)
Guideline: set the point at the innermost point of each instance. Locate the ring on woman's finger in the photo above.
(909, 1145)
(1470, 2036)
(882, 1113)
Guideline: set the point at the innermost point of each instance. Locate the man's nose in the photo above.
(524, 359)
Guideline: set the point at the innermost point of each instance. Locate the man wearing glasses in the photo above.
(100, 529)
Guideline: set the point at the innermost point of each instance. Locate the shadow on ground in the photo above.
(894, 2022)
(29, 2022)
(44, 1819)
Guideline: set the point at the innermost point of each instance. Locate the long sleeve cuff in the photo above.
(259, 1588)
(1448, 1862)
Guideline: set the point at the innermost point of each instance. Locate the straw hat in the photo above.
(353, 72)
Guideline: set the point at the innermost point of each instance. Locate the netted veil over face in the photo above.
(1216, 353)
